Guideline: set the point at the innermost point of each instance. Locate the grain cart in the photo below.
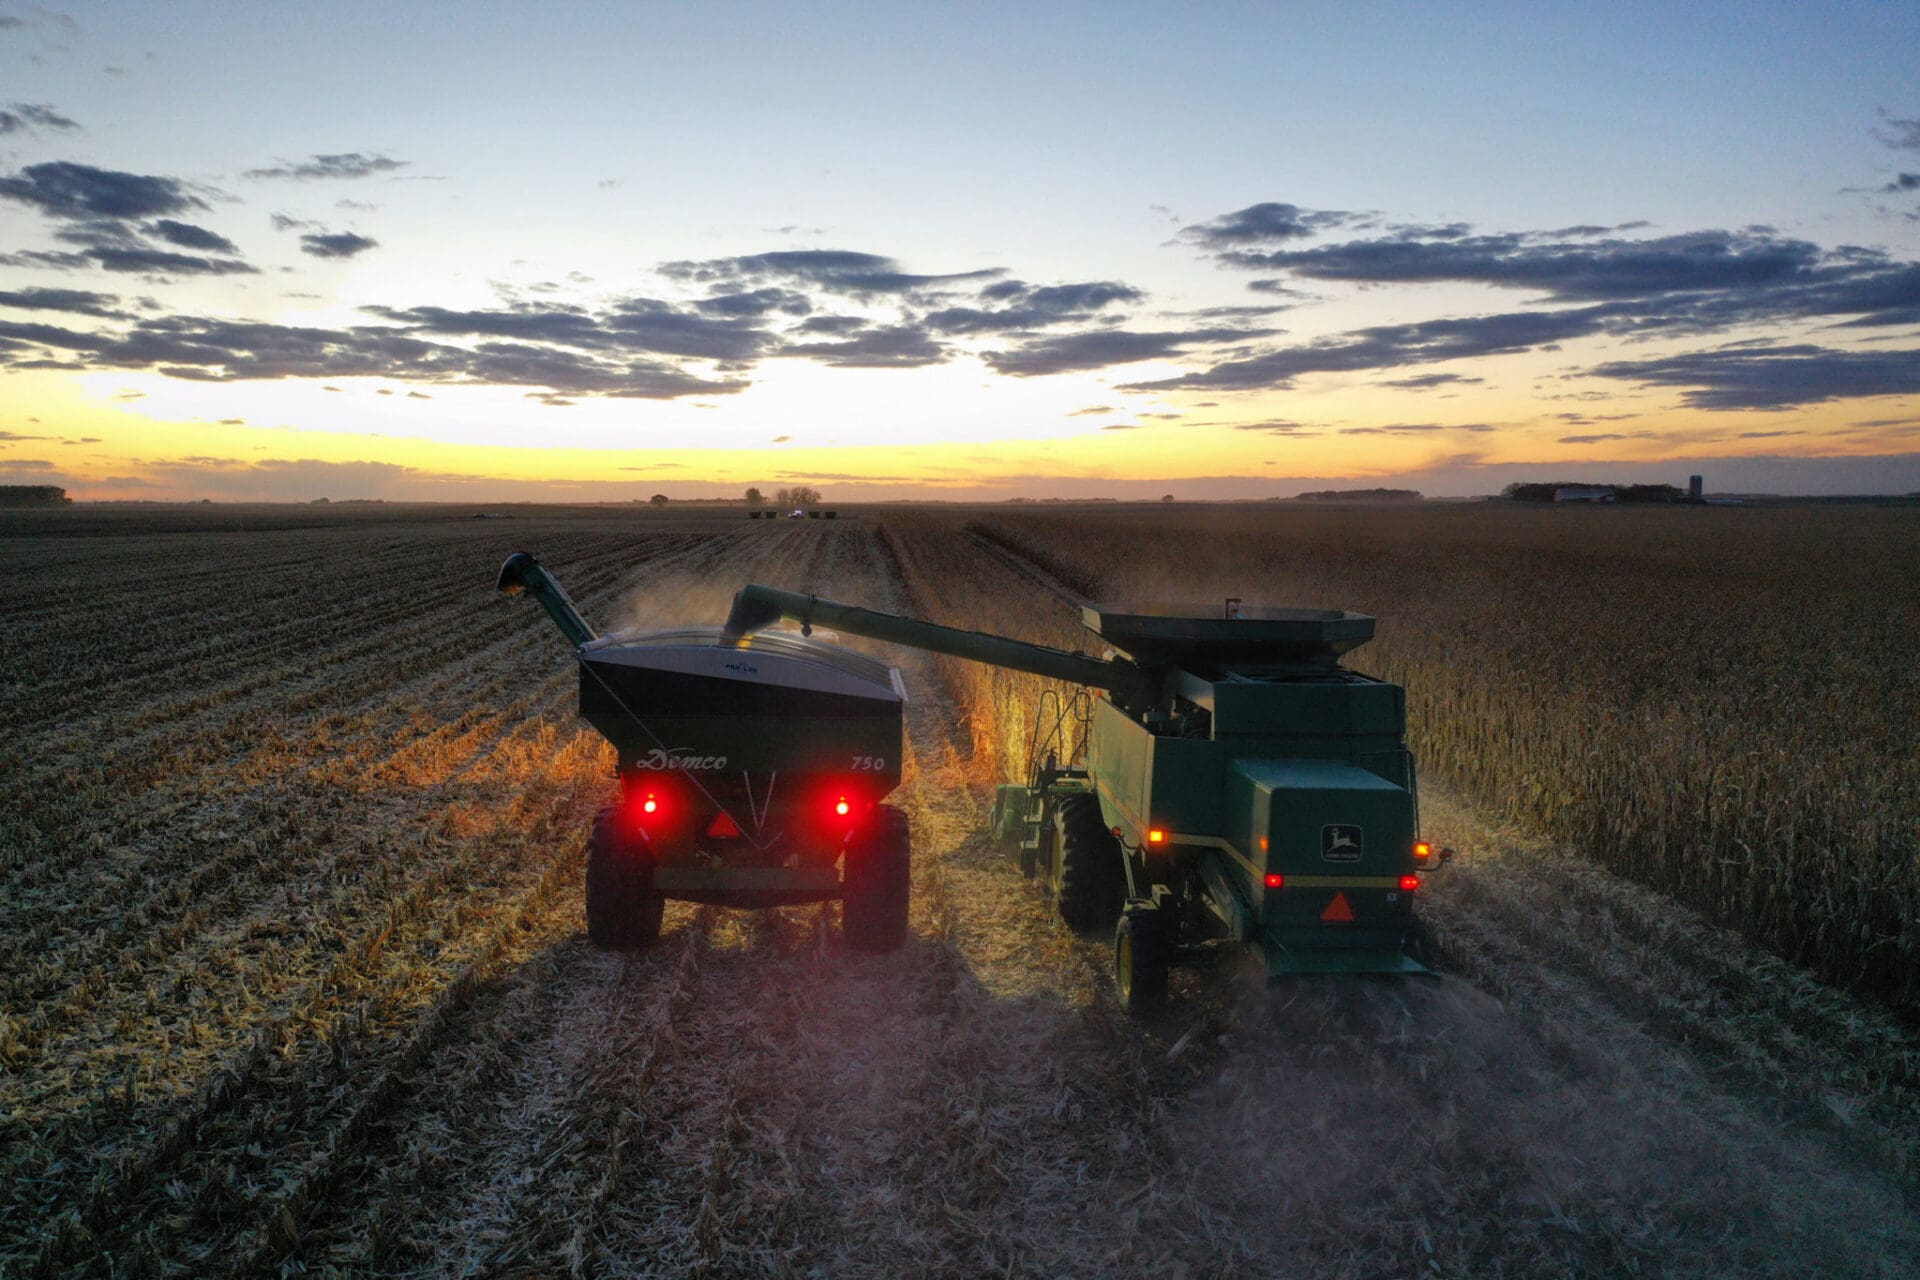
(752, 774)
(1239, 785)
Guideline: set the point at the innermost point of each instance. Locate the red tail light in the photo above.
(842, 807)
(651, 804)
(1275, 880)
(1409, 883)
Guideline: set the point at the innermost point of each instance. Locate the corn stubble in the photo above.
(294, 979)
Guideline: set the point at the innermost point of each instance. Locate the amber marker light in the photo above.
(1422, 851)
(1156, 836)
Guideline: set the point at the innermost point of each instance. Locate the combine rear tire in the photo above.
(1142, 956)
(1089, 882)
(623, 910)
(875, 885)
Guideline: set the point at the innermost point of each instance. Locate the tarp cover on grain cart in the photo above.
(697, 699)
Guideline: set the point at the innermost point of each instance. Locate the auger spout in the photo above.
(521, 573)
(756, 606)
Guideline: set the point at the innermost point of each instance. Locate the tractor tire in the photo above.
(877, 881)
(1142, 958)
(623, 910)
(1089, 883)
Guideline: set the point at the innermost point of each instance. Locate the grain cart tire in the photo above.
(874, 888)
(1089, 883)
(1142, 957)
(623, 910)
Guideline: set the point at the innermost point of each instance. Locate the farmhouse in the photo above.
(1571, 494)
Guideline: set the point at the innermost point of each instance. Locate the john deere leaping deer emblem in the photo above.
(1340, 843)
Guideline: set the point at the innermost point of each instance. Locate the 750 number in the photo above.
(869, 764)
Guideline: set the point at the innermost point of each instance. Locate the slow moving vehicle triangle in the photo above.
(1339, 911)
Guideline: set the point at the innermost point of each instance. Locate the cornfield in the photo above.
(293, 977)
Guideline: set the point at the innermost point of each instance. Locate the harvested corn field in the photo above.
(296, 982)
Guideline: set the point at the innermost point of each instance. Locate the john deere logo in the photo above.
(1340, 843)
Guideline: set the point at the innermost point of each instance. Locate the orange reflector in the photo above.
(1339, 911)
(1409, 883)
(1275, 880)
(1156, 836)
(1422, 851)
(843, 808)
(723, 825)
(649, 805)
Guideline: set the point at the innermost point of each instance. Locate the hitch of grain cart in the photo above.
(1240, 787)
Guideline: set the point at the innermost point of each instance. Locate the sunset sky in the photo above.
(598, 251)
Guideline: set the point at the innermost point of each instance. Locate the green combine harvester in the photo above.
(1239, 786)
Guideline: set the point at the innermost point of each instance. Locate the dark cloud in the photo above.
(12, 437)
(1266, 223)
(1414, 428)
(1236, 313)
(1773, 377)
(1028, 307)
(1569, 271)
(1706, 279)
(1278, 427)
(1100, 348)
(21, 117)
(842, 271)
(1426, 381)
(637, 325)
(839, 326)
(345, 164)
(287, 222)
(648, 324)
(901, 346)
(161, 262)
(80, 302)
(755, 303)
(1903, 182)
(1390, 346)
(1277, 287)
(185, 235)
(212, 350)
(337, 244)
(1091, 411)
(1901, 135)
(63, 189)
(1609, 435)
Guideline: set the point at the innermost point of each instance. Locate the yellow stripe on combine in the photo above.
(1343, 882)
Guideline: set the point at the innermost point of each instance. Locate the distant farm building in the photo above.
(1584, 495)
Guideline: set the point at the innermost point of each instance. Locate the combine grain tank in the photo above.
(753, 773)
(1239, 786)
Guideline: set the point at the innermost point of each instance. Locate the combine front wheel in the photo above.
(623, 909)
(1142, 955)
(874, 887)
(1089, 881)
